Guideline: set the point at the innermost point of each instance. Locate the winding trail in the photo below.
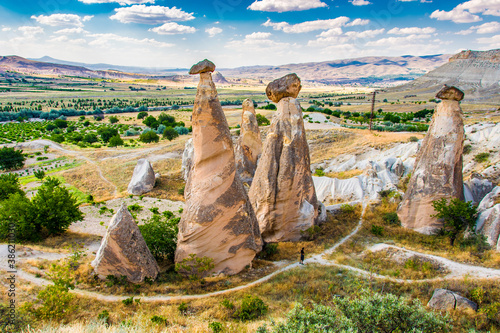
(457, 270)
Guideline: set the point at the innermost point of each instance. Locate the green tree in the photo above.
(90, 138)
(261, 120)
(107, 133)
(115, 141)
(61, 123)
(113, 119)
(457, 216)
(9, 184)
(39, 174)
(169, 133)
(142, 115)
(149, 136)
(18, 210)
(160, 234)
(11, 159)
(151, 121)
(55, 207)
(86, 123)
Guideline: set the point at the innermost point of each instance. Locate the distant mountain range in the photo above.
(477, 73)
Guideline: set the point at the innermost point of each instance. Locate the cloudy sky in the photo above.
(175, 33)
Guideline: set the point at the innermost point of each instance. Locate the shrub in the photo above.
(149, 137)
(377, 230)
(128, 301)
(319, 172)
(262, 120)
(194, 267)
(115, 141)
(391, 218)
(158, 320)
(481, 157)
(181, 130)
(103, 316)
(467, 149)
(59, 123)
(90, 138)
(169, 133)
(251, 308)
(59, 138)
(160, 234)
(142, 115)
(107, 133)
(216, 327)
(475, 242)
(11, 159)
(39, 174)
(268, 250)
(18, 210)
(113, 120)
(456, 215)
(183, 308)
(227, 304)
(9, 184)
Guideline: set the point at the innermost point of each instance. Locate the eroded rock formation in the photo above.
(488, 221)
(249, 145)
(282, 191)
(143, 180)
(187, 159)
(438, 167)
(443, 299)
(218, 220)
(124, 252)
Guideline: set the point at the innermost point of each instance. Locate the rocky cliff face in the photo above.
(218, 221)
(438, 168)
(282, 192)
(249, 145)
(488, 221)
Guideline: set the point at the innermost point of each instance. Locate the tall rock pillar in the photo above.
(249, 146)
(218, 220)
(282, 191)
(438, 168)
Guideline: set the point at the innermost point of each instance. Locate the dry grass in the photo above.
(344, 174)
(86, 178)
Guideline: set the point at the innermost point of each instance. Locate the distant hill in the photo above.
(104, 67)
(477, 73)
(363, 71)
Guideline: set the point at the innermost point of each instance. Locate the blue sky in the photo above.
(171, 33)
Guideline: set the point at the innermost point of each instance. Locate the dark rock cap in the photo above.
(287, 86)
(202, 67)
(450, 93)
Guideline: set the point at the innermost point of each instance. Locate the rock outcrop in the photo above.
(282, 191)
(218, 220)
(187, 159)
(124, 252)
(249, 145)
(443, 299)
(143, 180)
(438, 168)
(488, 221)
(287, 86)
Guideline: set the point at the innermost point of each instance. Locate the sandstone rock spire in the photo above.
(282, 191)
(249, 145)
(218, 220)
(438, 168)
(124, 252)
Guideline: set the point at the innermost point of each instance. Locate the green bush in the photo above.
(319, 172)
(103, 316)
(142, 115)
(377, 230)
(227, 304)
(413, 139)
(268, 250)
(467, 149)
(160, 234)
(251, 308)
(11, 159)
(159, 320)
(169, 133)
(262, 120)
(216, 327)
(115, 141)
(113, 120)
(370, 313)
(183, 308)
(9, 184)
(457, 216)
(391, 218)
(195, 267)
(149, 137)
(481, 157)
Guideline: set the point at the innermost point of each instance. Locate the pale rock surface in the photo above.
(282, 191)
(187, 159)
(488, 221)
(218, 220)
(249, 145)
(286, 86)
(476, 189)
(438, 168)
(443, 299)
(124, 252)
(143, 180)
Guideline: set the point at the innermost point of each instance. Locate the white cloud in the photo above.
(105, 39)
(493, 42)
(422, 1)
(69, 31)
(6, 29)
(398, 42)
(486, 7)
(364, 34)
(307, 26)
(285, 5)
(61, 20)
(336, 36)
(30, 31)
(257, 40)
(360, 2)
(65, 39)
(172, 28)
(455, 15)
(486, 28)
(411, 31)
(213, 31)
(356, 22)
(121, 2)
(150, 14)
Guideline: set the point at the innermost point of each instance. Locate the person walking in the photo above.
(302, 257)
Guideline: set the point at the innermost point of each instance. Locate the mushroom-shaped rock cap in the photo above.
(202, 67)
(287, 86)
(450, 93)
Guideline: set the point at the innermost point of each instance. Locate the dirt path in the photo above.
(457, 270)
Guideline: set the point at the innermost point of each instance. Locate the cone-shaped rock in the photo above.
(438, 168)
(123, 251)
(143, 180)
(249, 145)
(218, 220)
(282, 191)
